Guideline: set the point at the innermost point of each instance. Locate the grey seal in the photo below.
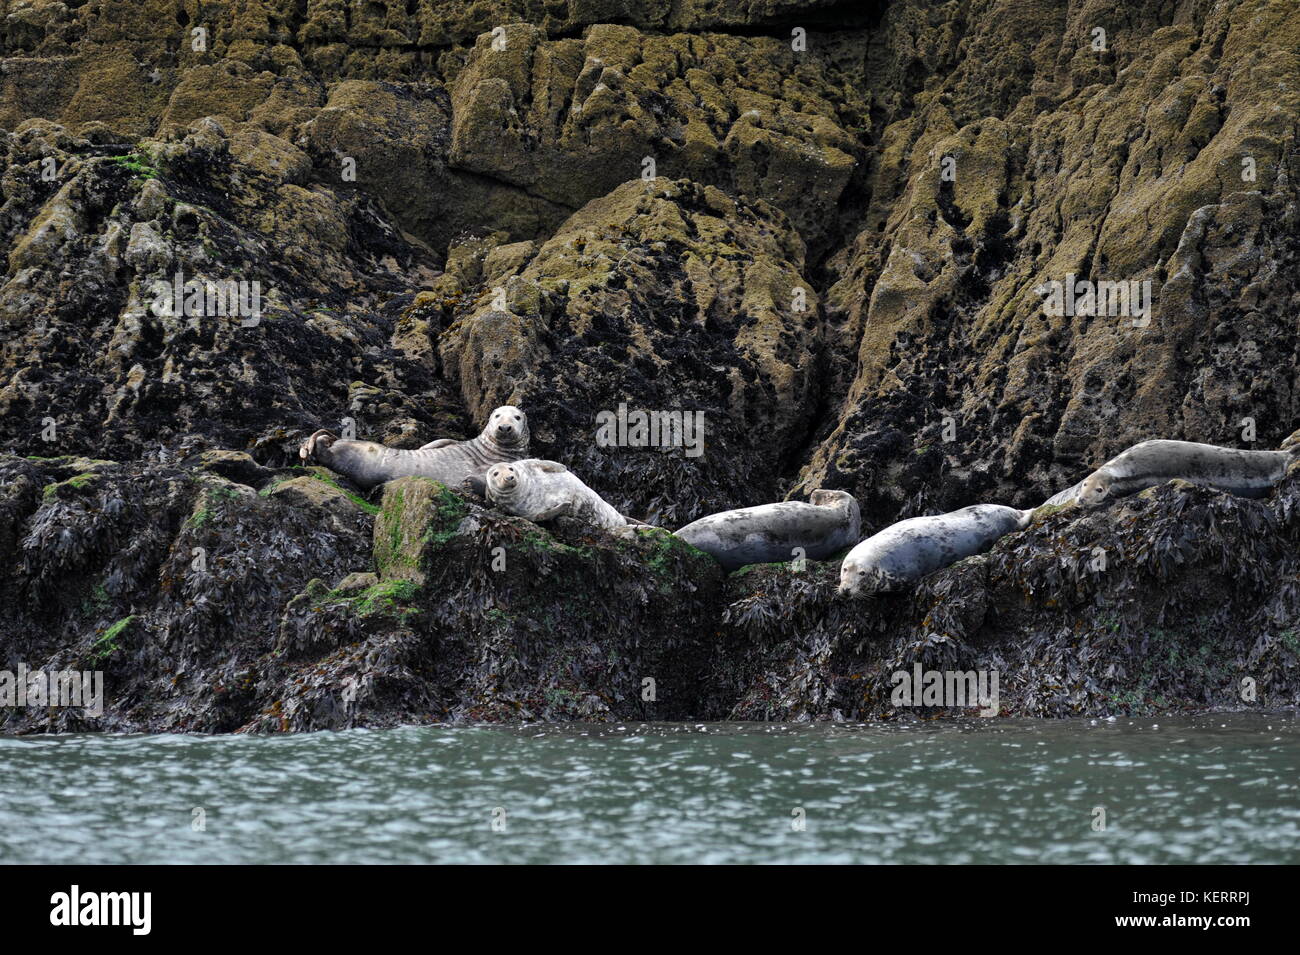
(770, 533)
(905, 552)
(454, 463)
(1151, 463)
(538, 490)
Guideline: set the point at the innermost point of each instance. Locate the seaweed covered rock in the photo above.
(569, 120)
(392, 141)
(168, 579)
(476, 616)
(1164, 161)
(1177, 598)
(417, 518)
(152, 301)
(385, 37)
(210, 605)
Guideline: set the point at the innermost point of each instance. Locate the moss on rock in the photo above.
(416, 518)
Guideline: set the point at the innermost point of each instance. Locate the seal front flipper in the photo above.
(474, 484)
(552, 512)
(440, 443)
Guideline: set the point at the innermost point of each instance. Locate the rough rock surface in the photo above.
(661, 295)
(823, 225)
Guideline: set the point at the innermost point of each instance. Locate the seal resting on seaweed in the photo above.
(454, 463)
(538, 490)
(1151, 463)
(905, 552)
(770, 533)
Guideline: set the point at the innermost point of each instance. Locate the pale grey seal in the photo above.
(538, 490)
(367, 464)
(905, 552)
(770, 533)
(1244, 473)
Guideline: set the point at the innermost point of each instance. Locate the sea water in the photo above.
(1207, 789)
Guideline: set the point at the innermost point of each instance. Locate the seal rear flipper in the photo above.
(319, 440)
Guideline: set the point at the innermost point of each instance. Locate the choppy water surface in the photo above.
(1219, 788)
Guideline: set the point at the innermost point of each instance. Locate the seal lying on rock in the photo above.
(770, 532)
(1244, 473)
(538, 490)
(905, 552)
(452, 462)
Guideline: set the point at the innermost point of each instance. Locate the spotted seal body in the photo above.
(905, 552)
(454, 463)
(1151, 463)
(538, 490)
(772, 532)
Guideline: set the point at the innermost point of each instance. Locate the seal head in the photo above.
(1094, 490)
(507, 428)
(503, 480)
(826, 498)
(862, 580)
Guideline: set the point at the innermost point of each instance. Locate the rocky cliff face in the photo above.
(829, 228)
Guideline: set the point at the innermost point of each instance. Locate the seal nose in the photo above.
(505, 431)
